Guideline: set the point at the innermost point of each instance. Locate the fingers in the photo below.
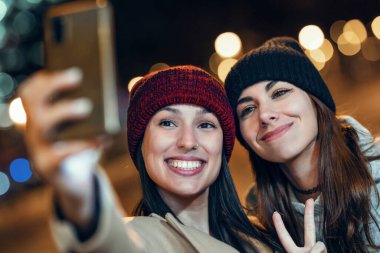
(62, 111)
(43, 116)
(319, 247)
(48, 158)
(43, 85)
(286, 240)
(309, 224)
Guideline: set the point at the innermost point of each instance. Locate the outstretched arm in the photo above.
(311, 246)
(72, 183)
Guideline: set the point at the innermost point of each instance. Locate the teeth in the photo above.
(185, 165)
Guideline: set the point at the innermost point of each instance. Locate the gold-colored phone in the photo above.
(81, 34)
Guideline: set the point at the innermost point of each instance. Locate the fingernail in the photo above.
(74, 74)
(82, 106)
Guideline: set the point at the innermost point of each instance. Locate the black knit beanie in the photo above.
(278, 59)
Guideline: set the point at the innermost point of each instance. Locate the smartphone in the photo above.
(81, 34)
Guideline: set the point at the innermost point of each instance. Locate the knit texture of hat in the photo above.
(278, 59)
(177, 85)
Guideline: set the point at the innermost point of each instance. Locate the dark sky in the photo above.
(183, 32)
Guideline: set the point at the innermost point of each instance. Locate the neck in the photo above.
(302, 172)
(190, 210)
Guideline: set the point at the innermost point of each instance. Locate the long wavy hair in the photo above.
(346, 185)
(227, 219)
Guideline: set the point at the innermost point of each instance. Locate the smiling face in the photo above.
(277, 120)
(182, 149)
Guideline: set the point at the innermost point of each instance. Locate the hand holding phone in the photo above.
(80, 34)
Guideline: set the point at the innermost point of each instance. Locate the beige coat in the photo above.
(137, 234)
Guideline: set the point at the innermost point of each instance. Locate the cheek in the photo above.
(249, 130)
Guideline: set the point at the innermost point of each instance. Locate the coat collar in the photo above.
(201, 241)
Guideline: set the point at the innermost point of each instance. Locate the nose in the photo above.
(187, 139)
(267, 115)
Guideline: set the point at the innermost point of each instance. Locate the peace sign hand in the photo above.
(287, 242)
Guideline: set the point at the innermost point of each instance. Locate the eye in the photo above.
(167, 123)
(206, 125)
(246, 110)
(280, 93)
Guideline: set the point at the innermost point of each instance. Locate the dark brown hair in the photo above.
(346, 185)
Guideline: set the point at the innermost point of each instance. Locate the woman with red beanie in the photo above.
(180, 137)
(300, 150)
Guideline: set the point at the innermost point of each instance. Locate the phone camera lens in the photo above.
(57, 24)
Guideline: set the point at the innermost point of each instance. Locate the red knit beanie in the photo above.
(177, 85)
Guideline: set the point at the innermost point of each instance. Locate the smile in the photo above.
(185, 167)
(277, 133)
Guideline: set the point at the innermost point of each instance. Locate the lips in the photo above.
(276, 133)
(185, 166)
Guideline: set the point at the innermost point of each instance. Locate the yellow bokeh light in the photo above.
(225, 67)
(336, 29)
(351, 47)
(17, 112)
(311, 37)
(371, 49)
(133, 82)
(355, 26)
(317, 64)
(228, 44)
(327, 49)
(318, 55)
(375, 25)
(158, 66)
(214, 62)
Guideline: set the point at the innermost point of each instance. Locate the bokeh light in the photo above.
(349, 47)
(3, 10)
(17, 112)
(7, 85)
(3, 35)
(34, 1)
(4, 183)
(214, 62)
(371, 49)
(13, 59)
(319, 55)
(327, 49)
(133, 82)
(355, 26)
(225, 67)
(336, 29)
(311, 37)
(375, 26)
(5, 120)
(228, 44)
(24, 23)
(20, 170)
(158, 66)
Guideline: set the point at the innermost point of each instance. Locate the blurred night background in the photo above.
(151, 35)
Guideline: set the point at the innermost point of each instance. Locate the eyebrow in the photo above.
(268, 86)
